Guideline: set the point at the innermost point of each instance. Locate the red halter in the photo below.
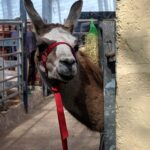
(58, 99)
(50, 49)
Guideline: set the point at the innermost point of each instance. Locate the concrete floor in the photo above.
(40, 131)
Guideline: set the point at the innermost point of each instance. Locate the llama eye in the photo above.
(76, 48)
(42, 47)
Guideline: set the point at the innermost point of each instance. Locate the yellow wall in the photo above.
(133, 75)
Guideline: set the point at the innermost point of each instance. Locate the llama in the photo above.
(80, 81)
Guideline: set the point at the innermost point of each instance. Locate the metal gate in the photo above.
(11, 61)
(105, 23)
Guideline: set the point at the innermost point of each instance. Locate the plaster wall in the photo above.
(133, 75)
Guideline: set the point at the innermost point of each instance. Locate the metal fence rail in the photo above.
(11, 64)
(107, 53)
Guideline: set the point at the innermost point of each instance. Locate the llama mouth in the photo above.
(65, 77)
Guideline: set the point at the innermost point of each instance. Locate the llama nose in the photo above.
(67, 62)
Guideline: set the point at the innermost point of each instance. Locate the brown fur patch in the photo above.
(91, 68)
(83, 96)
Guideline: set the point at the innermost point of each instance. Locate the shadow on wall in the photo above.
(134, 35)
(134, 30)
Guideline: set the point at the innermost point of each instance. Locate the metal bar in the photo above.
(99, 5)
(59, 11)
(11, 87)
(109, 87)
(6, 64)
(7, 21)
(10, 54)
(19, 59)
(4, 39)
(80, 33)
(5, 80)
(13, 66)
(98, 15)
(3, 75)
(87, 20)
(7, 9)
(18, 72)
(47, 11)
(10, 96)
(24, 56)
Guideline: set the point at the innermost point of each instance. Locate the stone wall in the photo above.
(133, 75)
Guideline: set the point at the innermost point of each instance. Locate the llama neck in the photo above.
(83, 96)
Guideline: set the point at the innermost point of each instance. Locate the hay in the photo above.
(91, 47)
(91, 43)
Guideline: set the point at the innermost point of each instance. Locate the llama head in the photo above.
(61, 63)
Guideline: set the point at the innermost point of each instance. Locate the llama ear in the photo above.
(74, 14)
(34, 16)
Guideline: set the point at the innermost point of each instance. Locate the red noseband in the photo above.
(50, 49)
(57, 94)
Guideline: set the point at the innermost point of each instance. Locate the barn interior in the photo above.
(18, 96)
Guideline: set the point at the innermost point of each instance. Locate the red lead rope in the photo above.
(58, 99)
(61, 118)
